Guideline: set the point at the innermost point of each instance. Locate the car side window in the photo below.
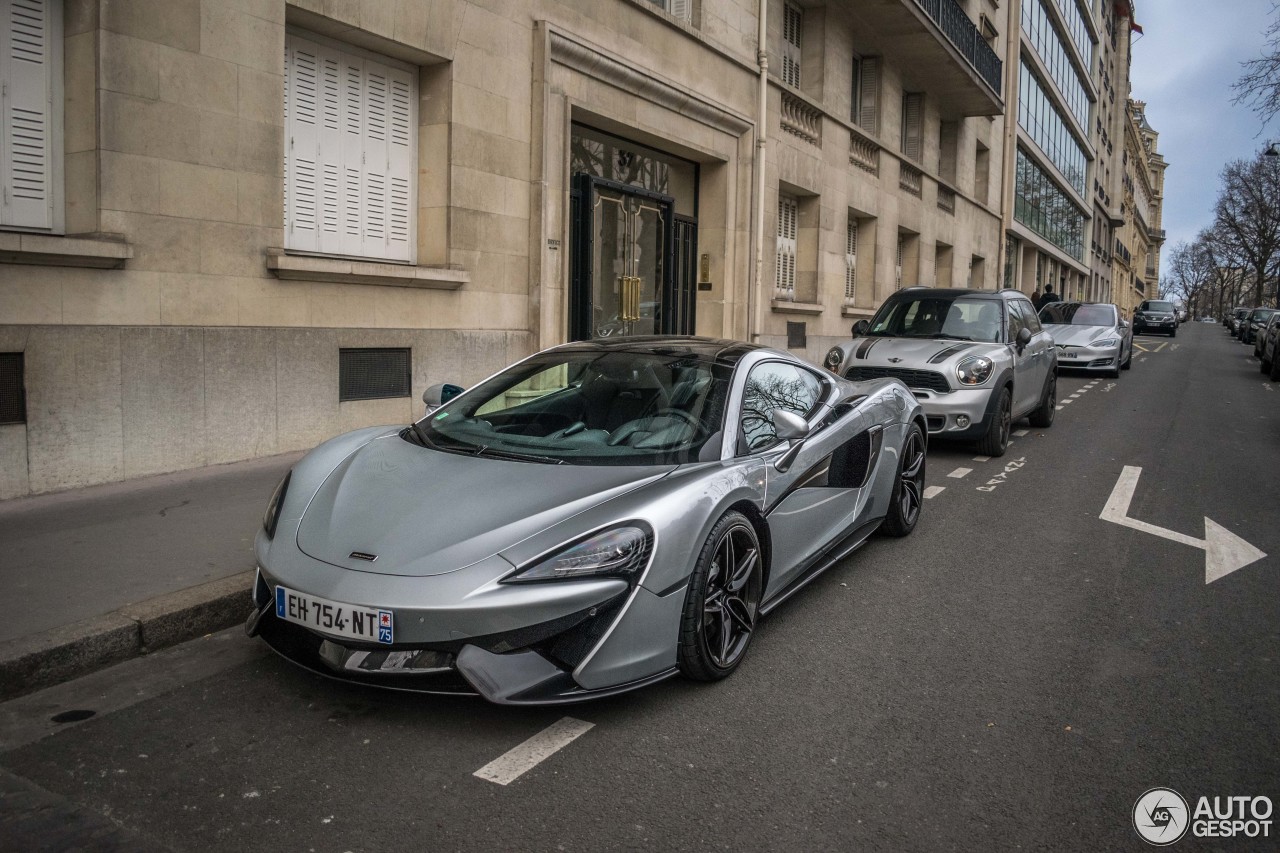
(1016, 321)
(1029, 318)
(774, 385)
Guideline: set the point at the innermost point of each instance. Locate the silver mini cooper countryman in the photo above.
(976, 360)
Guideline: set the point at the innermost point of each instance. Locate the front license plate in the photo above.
(369, 624)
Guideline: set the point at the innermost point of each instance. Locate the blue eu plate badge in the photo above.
(385, 634)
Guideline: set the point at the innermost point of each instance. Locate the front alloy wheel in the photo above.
(996, 440)
(723, 602)
(908, 489)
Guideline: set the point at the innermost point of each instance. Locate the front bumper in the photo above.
(533, 660)
(1142, 324)
(1089, 358)
(956, 414)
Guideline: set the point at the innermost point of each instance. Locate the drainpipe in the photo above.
(756, 294)
(1008, 154)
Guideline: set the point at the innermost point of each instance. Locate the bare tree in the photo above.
(1189, 277)
(1247, 217)
(1259, 85)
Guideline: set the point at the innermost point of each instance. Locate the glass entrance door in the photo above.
(623, 276)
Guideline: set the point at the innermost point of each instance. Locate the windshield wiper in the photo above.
(486, 450)
(421, 436)
(943, 335)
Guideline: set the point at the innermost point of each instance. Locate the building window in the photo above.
(1046, 209)
(682, 9)
(866, 94)
(350, 151)
(30, 151)
(797, 337)
(373, 374)
(788, 216)
(913, 125)
(792, 27)
(851, 261)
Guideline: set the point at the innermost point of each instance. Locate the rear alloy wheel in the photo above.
(723, 601)
(996, 441)
(908, 489)
(1042, 417)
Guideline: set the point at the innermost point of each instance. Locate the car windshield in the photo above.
(1263, 313)
(587, 408)
(958, 318)
(1077, 314)
(1157, 306)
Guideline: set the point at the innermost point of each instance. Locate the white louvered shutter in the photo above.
(788, 211)
(869, 96)
(351, 125)
(851, 261)
(912, 125)
(682, 9)
(792, 26)
(26, 114)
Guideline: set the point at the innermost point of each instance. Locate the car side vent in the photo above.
(373, 374)
(852, 462)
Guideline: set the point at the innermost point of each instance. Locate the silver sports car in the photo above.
(590, 520)
(1089, 336)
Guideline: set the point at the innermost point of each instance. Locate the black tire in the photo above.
(1042, 417)
(1275, 369)
(907, 498)
(722, 605)
(996, 441)
(1174, 333)
(1128, 362)
(1265, 365)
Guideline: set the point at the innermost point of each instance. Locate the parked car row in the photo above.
(1266, 343)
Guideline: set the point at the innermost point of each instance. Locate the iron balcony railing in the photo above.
(962, 33)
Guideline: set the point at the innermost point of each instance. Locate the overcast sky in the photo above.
(1183, 67)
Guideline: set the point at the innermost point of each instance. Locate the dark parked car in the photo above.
(1256, 320)
(1233, 322)
(1155, 315)
(1268, 348)
(1229, 315)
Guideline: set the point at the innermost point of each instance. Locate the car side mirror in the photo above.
(439, 394)
(789, 426)
(1024, 338)
(860, 328)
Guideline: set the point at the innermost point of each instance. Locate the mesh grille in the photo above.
(926, 379)
(13, 397)
(372, 374)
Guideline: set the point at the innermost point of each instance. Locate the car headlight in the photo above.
(1106, 342)
(974, 370)
(619, 551)
(271, 517)
(832, 361)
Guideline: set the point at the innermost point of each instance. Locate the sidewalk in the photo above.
(97, 575)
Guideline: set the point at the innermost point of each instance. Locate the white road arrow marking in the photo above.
(1224, 552)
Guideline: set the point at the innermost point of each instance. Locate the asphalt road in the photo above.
(1012, 676)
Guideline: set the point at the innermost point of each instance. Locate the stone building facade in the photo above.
(1136, 271)
(233, 228)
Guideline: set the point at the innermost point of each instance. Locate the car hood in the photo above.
(425, 512)
(1079, 336)
(917, 353)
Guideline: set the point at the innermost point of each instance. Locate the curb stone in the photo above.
(61, 654)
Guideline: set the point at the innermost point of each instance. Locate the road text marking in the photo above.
(1224, 552)
(513, 764)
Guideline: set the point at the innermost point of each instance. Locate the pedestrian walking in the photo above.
(1049, 296)
(1036, 297)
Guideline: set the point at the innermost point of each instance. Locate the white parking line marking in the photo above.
(1068, 401)
(1059, 408)
(982, 459)
(1075, 396)
(1020, 432)
(960, 472)
(513, 764)
(933, 491)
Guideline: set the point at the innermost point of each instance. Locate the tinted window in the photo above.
(1076, 314)
(774, 385)
(1152, 305)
